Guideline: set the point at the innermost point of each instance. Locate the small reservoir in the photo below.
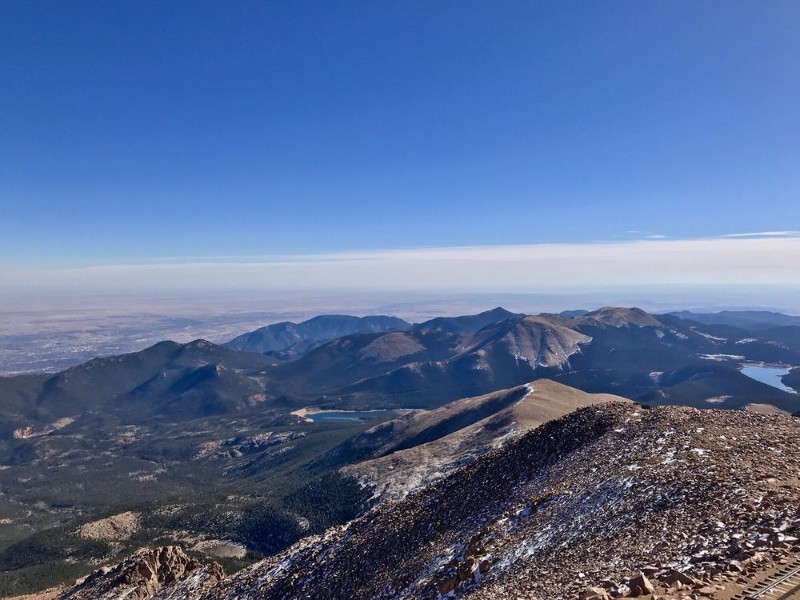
(769, 375)
(316, 415)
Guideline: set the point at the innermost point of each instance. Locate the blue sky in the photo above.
(142, 132)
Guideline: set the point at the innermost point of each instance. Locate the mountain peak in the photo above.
(200, 344)
(499, 311)
(466, 323)
(615, 316)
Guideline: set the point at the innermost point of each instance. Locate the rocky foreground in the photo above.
(613, 500)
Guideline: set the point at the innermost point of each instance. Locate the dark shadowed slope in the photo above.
(135, 386)
(466, 323)
(289, 340)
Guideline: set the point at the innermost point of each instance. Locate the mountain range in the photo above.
(235, 455)
(753, 320)
(656, 359)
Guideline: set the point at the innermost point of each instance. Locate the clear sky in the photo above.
(154, 132)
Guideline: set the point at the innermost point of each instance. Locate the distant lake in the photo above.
(350, 415)
(769, 375)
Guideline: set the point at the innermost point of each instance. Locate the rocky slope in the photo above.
(537, 341)
(163, 573)
(613, 500)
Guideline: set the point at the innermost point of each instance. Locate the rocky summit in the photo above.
(611, 501)
(161, 572)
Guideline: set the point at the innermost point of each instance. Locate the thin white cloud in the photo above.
(766, 260)
(762, 234)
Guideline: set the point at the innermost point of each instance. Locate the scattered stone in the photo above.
(642, 584)
(594, 593)
(674, 577)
